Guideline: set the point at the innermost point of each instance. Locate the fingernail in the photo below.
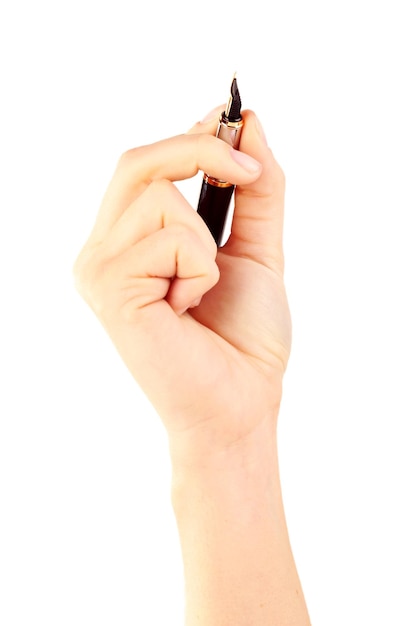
(212, 115)
(260, 130)
(245, 161)
(195, 303)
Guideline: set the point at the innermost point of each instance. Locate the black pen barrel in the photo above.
(213, 205)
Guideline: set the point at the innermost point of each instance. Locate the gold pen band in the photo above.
(215, 182)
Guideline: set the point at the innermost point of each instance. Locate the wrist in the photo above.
(251, 460)
(238, 564)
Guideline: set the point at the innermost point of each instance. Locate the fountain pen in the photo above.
(215, 195)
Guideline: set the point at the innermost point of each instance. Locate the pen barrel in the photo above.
(215, 196)
(213, 205)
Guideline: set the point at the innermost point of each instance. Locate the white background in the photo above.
(87, 535)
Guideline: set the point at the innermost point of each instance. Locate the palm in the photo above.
(248, 309)
(231, 351)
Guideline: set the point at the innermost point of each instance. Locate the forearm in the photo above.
(238, 564)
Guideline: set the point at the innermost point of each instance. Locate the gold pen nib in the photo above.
(232, 112)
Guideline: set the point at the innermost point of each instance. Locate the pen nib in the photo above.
(233, 110)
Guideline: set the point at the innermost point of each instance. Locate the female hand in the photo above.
(212, 370)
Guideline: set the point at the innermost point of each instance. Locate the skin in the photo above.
(206, 333)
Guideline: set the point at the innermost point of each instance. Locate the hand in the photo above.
(212, 370)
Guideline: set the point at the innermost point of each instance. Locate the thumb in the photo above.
(258, 215)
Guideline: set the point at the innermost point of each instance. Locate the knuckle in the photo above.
(79, 272)
(280, 176)
(88, 272)
(129, 157)
(205, 142)
(182, 234)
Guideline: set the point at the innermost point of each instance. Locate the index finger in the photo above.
(173, 159)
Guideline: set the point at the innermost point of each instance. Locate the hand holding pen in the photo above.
(206, 333)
